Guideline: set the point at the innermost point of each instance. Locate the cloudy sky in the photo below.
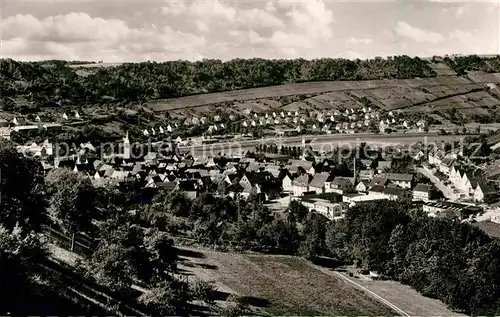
(134, 30)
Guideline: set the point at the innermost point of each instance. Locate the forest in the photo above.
(52, 83)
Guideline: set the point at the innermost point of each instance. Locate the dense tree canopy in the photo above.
(21, 189)
(73, 199)
(454, 262)
(55, 83)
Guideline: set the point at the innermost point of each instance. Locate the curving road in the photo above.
(447, 192)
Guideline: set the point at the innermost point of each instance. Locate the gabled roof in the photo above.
(319, 179)
(342, 181)
(364, 182)
(377, 189)
(485, 188)
(424, 188)
(379, 181)
(260, 177)
(302, 180)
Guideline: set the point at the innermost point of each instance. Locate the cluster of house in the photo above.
(6, 127)
(467, 180)
(317, 185)
(393, 122)
(326, 121)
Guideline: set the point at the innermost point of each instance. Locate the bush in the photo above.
(204, 291)
(235, 307)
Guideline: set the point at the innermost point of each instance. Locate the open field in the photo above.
(281, 285)
(406, 298)
(410, 95)
(319, 87)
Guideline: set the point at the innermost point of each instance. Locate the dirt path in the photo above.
(402, 298)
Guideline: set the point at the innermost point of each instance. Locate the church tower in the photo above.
(126, 147)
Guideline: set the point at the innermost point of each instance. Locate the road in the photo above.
(447, 192)
(379, 298)
(321, 142)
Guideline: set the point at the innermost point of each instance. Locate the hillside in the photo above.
(113, 98)
(474, 96)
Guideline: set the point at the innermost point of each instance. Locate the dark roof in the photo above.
(422, 188)
(394, 191)
(379, 181)
(167, 185)
(341, 181)
(300, 163)
(398, 177)
(188, 186)
(377, 189)
(485, 187)
(260, 177)
(319, 179)
(301, 180)
(448, 161)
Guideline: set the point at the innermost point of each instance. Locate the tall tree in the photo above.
(73, 200)
(21, 190)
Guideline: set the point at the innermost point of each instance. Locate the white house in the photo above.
(286, 184)
(300, 185)
(422, 192)
(324, 207)
(402, 180)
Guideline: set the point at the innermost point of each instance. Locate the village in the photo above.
(446, 183)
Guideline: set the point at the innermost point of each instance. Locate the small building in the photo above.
(402, 180)
(324, 207)
(342, 185)
(448, 209)
(318, 183)
(300, 185)
(484, 192)
(362, 186)
(422, 192)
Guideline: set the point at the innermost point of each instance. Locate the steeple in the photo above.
(126, 147)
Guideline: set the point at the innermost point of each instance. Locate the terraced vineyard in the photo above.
(474, 95)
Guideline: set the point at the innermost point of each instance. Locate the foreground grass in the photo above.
(280, 285)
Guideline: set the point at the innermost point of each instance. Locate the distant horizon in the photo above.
(169, 30)
(107, 63)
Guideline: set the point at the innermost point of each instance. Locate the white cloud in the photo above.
(80, 36)
(270, 7)
(359, 41)
(312, 17)
(217, 12)
(201, 26)
(460, 35)
(460, 11)
(418, 35)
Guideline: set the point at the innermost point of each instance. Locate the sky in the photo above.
(159, 30)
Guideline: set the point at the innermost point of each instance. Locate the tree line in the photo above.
(55, 83)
